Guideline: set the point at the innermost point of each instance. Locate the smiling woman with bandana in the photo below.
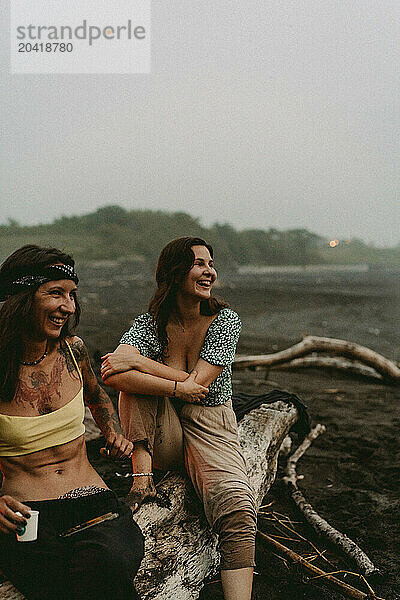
(173, 368)
(45, 374)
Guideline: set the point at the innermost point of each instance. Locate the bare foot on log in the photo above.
(144, 491)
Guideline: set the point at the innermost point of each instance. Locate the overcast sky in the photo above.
(260, 113)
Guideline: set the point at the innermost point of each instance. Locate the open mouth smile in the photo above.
(204, 283)
(58, 320)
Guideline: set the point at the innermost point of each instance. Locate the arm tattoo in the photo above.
(98, 401)
(103, 412)
(107, 421)
(79, 351)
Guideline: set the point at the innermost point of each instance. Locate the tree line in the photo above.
(113, 232)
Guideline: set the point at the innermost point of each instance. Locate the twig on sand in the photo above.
(299, 538)
(344, 588)
(320, 526)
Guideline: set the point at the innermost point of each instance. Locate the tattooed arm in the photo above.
(100, 404)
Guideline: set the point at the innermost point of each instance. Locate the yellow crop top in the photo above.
(23, 435)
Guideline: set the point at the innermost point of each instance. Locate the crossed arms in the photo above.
(127, 370)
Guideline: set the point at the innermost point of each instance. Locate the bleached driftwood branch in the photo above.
(387, 368)
(320, 526)
(327, 362)
(344, 588)
(180, 549)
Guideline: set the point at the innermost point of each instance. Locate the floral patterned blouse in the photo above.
(218, 349)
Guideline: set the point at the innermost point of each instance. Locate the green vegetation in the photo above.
(113, 232)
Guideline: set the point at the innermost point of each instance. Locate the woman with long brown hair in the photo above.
(173, 368)
(45, 375)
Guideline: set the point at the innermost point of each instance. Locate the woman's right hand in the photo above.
(10, 521)
(190, 391)
(123, 359)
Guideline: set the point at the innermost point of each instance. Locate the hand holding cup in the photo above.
(30, 531)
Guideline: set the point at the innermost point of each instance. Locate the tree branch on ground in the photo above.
(320, 525)
(385, 367)
(329, 578)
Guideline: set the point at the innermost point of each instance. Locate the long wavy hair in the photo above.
(16, 318)
(175, 261)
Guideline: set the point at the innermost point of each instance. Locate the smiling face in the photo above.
(53, 303)
(201, 277)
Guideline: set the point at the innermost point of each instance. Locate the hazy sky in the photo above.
(260, 113)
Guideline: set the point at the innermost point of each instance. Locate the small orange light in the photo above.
(334, 243)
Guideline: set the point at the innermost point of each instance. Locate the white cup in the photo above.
(31, 530)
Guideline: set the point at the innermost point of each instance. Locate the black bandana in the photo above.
(33, 277)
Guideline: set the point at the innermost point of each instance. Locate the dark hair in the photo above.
(175, 261)
(16, 312)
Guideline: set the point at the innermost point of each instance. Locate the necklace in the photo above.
(35, 362)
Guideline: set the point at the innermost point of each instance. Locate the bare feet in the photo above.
(141, 492)
(143, 489)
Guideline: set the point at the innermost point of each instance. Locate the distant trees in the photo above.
(113, 232)
(260, 247)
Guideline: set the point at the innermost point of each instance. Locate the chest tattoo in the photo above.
(40, 388)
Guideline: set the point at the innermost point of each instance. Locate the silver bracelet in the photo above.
(141, 474)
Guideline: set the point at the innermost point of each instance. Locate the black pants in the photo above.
(95, 564)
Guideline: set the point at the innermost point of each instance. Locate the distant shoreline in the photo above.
(259, 270)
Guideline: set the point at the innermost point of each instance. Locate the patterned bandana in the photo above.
(33, 277)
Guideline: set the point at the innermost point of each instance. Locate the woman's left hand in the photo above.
(117, 446)
(123, 359)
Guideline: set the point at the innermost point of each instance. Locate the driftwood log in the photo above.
(389, 370)
(328, 362)
(318, 523)
(180, 548)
